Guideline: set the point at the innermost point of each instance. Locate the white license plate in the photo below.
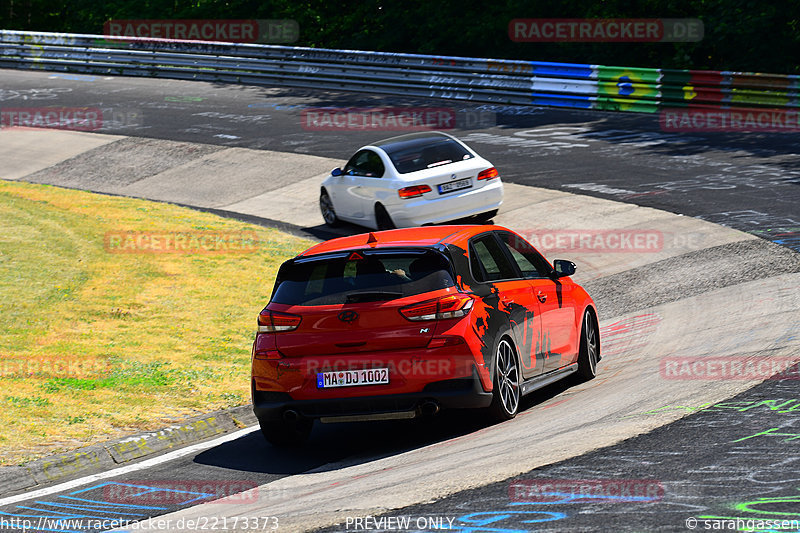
(455, 185)
(352, 378)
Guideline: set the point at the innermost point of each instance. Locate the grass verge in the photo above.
(103, 336)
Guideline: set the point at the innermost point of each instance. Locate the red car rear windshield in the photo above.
(361, 276)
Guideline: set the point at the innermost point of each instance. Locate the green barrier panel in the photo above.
(687, 88)
(627, 89)
(675, 87)
(691, 88)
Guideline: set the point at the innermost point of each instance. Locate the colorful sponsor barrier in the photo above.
(627, 89)
(572, 85)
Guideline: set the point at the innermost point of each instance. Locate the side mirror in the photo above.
(564, 268)
(336, 172)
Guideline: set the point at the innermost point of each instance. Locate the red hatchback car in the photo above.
(402, 323)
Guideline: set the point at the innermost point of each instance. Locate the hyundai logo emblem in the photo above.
(348, 316)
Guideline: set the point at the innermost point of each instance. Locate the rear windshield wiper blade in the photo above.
(372, 296)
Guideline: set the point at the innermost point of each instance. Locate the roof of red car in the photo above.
(422, 236)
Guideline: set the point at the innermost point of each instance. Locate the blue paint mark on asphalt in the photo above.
(86, 508)
(115, 505)
(477, 522)
(65, 512)
(146, 489)
(73, 77)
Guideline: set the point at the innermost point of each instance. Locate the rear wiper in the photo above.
(373, 296)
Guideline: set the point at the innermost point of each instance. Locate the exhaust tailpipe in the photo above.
(429, 408)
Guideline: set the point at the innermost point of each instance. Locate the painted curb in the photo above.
(99, 457)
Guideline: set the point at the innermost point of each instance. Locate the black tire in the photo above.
(487, 216)
(326, 208)
(285, 434)
(382, 218)
(589, 352)
(507, 391)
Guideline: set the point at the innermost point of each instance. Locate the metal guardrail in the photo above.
(481, 80)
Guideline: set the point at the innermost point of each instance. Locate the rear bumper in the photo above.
(459, 393)
(432, 209)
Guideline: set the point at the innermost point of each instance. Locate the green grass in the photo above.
(95, 345)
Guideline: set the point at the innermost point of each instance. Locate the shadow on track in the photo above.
(334, 446)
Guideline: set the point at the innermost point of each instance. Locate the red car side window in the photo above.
(530, 262)
(492, 263)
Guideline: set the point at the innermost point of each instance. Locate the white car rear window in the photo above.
(411, 157)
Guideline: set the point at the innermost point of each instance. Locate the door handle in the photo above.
(542, 296)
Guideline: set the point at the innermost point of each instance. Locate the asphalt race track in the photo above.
(748, 182)
(634, 450)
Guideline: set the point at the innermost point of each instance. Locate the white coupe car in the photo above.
(411, 180)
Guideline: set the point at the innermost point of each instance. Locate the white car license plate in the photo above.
(352, 378)
(455, 185)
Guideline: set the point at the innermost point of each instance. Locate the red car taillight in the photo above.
(268, 354)
(489, 173)
(414, 191)
(274, 321)
(450, 306)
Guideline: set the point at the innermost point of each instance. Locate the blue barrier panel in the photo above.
(562, 100)
(562, 70)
